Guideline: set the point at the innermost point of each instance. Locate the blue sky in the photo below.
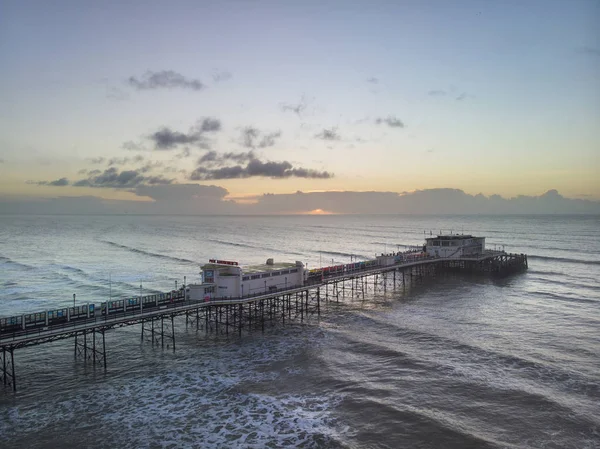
(493, 97)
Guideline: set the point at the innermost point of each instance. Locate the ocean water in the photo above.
(456, 362)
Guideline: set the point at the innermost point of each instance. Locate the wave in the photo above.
(565, 283)
(425, 341)
(564, 298)
(148, 253)
(392, 245)
(565, 259)
(9, 261)
(354, 255)
(245, 245)
(445, 426)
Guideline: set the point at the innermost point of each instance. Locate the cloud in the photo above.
(213, 159)
(437, 93)
(118, 161)
(1, 161)
(249, 136)
(253, 168)
(328, 134)
(373, 80)
(166, 139)
(391, 121)
(179, 192)
(97, 160)
(132, 146)
(220, 76)
(252, 138)
(127, 179)
(295, 108)
(202, 199)
(461, 97)
(165, 79)
(184, 153)
(57, 183)
(268, 140)
(209, 124)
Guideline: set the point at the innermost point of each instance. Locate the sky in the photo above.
(237, 101)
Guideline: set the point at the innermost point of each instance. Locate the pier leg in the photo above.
(104, 347)
(173, 331)
(8, 367)
(318, 303)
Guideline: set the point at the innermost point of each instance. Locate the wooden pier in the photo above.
(234, 315)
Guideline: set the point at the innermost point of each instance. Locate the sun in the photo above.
(319, 212)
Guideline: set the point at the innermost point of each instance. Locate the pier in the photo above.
(88, 324)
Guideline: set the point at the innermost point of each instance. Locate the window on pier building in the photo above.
(246, 278)
(256, 276)
(295, 270)
(266, 275)
(445, 243)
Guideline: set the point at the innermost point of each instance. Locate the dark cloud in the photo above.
(328, 134)
(461, 97)
(212, 158)
(57, 183)
(249, 136)
(373, 80)
(268, 140)
(220, 76)
(165, 139)
(97, 160)
(126, 179)
(241, 157)
(253, 168)
(83, 171)
(209, 158)
(253, 138)
(165, 79)
(437, 93)
(391, 121)
(209, 124)
(150, 165)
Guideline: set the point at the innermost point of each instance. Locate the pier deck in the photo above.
(235, 312)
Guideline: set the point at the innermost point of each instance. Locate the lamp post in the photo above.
(286, 282)
(184, 290)
(73, 302)
(141, 301)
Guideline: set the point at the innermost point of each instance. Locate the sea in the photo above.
(458, 361)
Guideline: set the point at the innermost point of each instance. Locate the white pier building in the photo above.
(454, 246)
(227, 279)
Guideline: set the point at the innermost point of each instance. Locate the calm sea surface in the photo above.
(457, 362)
